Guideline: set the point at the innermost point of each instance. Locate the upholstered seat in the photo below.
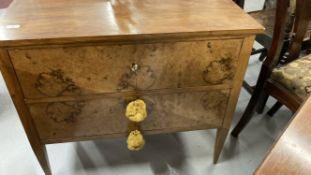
(295, 76)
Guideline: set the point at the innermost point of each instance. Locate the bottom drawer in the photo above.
(65, 121)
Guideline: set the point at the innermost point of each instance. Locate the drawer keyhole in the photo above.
(134, 67)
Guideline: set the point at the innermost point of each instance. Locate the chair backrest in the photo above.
(270, 4)
(300, 26)
(279, 32)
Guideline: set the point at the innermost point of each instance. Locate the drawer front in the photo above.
(105, 116)
(80, 70)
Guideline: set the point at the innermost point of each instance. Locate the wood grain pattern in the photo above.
(105, 116)
(58, 21)
(291, 153)
(71, 71)
(270, 62)
(72, 66)
(129, 94)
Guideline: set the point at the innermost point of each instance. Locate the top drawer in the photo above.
(80, 70)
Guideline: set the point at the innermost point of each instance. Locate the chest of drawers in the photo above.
(72, 67)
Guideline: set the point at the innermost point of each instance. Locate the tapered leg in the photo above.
(263, 55)
(262, 103)
(220, 141)
(42, 157)
(248, 113)
(17, 96)
(274, 109)
(248, 88)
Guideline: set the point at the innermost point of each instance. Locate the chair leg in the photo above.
(262, 103)
(240, 3)
(274, 108)
(263, 55)
(248, 88)
(248, 113)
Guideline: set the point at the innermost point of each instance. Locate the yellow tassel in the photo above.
(135, 141)
(136, 111)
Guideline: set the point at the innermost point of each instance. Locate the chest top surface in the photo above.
(50, 20)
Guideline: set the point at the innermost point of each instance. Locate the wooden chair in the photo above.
(290, 84)
(266, 17)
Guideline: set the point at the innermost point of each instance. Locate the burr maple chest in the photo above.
(80, 70)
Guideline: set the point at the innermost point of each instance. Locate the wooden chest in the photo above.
(73, 66)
